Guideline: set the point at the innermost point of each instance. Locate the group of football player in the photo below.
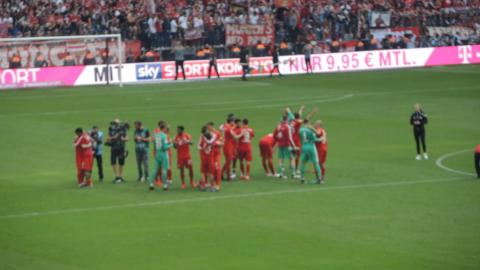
(298, 142)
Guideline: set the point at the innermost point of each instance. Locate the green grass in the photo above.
(380, 209)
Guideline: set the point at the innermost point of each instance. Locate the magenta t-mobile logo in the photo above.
(465, 53)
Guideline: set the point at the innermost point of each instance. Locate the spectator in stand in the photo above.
(40, 61)
(68, 60)
(89, 58)
(130, 56)
(15, 61)
(155, 23)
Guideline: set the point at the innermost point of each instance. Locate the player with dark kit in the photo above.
(418, 120)
(244, 62)
(212, 62)
(275, 65)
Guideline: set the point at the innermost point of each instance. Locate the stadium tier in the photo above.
(149, 27)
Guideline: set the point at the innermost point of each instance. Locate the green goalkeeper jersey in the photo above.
(307, 137)
(161, 143)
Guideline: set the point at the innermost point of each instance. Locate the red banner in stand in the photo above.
(249, 34)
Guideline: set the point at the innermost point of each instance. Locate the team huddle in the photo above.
(297, 141)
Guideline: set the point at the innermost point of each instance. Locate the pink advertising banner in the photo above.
(39, 77)
(259, 66)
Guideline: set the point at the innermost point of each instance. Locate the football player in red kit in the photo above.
(321, 145)
(283, 135)
(205, 151)
(182, 142)
(84, 158)
(229, 147)
(245, 149)
(217, 143)
(236, 129)
(267, 143)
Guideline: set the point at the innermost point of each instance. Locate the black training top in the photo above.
(243, 56)
(418, 120)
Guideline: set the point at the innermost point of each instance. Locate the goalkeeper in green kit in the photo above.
(161, 146)
(309, 151)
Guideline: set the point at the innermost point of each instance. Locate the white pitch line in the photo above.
(225, 197)
(169, 108)
(439, 162)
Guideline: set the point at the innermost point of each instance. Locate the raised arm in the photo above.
(311, 114)
(301, 110)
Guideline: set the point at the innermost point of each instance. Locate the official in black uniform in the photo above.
(213, 62)
(274, 53)
(418, 120)
(244, 62)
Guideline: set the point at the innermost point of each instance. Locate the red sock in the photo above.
(169, 174)
(79, 176)
(229, 165)
(242, 169)
(322, 167)
(182, 175)
(264, 164)
(248, 169)
(190, 172)
(270, 165)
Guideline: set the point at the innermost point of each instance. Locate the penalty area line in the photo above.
(226, 197)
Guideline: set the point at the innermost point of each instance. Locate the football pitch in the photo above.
(379, 207)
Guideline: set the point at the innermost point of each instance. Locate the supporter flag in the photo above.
(284, 3)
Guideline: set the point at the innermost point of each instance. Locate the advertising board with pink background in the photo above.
(260, 66)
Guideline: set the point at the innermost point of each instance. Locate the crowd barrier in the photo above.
(260, 66)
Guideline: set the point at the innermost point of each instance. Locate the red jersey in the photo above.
(283, 135)
(296, 125)
(245, 140)
(182, 142)
(204, 148)
(268, 140)
(477, 150)
(79, 150)
(217, 140)
(227, 133)
(236, 130)
(322, 133)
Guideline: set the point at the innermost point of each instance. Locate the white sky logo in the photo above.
(146, 72)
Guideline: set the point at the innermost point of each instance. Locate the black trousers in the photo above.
(308, 65)
(179, 64)
(477, 164)
(214, 65)
(245, 69)
(419, 135)
(99, 160)
(275, 66)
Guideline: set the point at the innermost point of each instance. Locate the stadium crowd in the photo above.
(330, 23)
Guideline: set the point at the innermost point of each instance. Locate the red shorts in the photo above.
(322, 154)
(205, 164)
(86, 163)
(266, 152)
(229, 152)
(183, 162)
(216, 161)
(245, 154)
